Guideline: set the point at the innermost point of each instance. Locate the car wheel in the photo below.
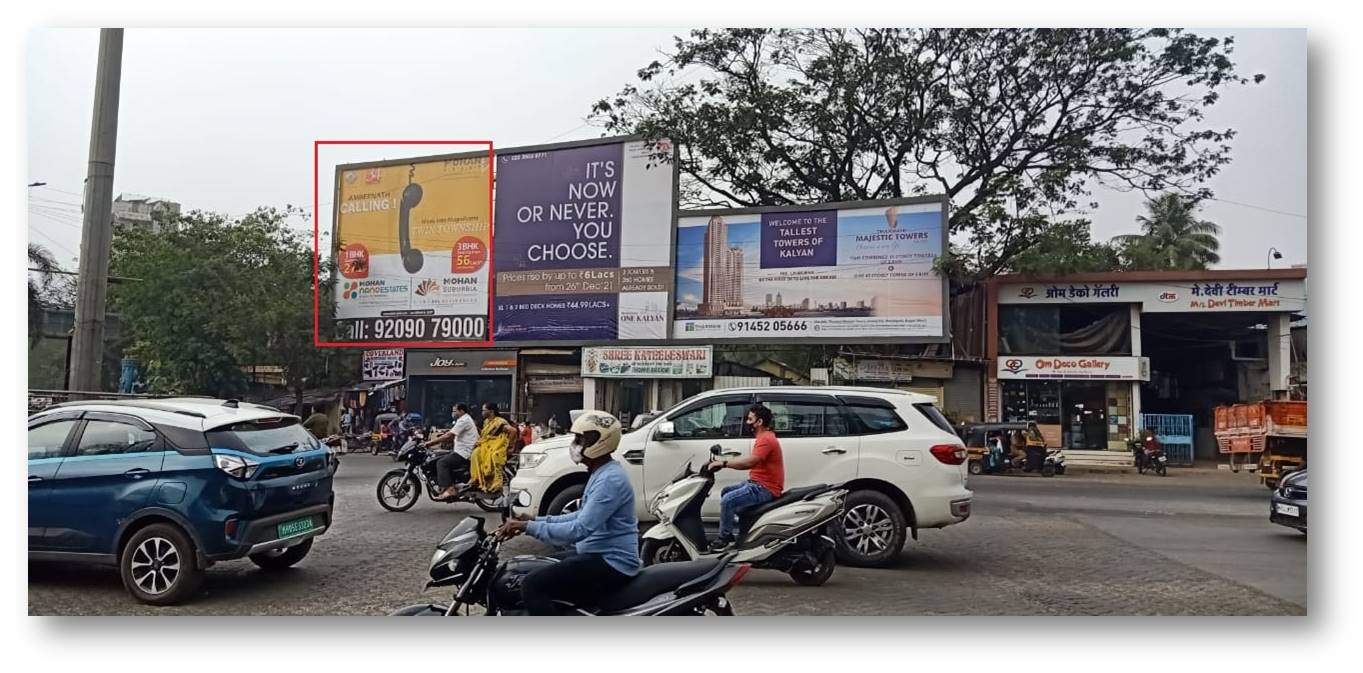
(567, 500)
(279, 559)
(976, 467)
(656, 551)
(873, 530)
(158, 565)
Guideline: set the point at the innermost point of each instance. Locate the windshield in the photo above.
(263, 436)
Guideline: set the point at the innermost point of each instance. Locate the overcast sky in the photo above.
(224, 120)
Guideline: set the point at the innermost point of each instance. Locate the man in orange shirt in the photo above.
(766, 476)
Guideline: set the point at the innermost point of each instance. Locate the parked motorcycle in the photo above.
(787, 534)
(1155, 461)
(469, 559)
(400, 488)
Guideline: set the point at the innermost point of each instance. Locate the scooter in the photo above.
(469, 559)
(400, 488)
(786, 534)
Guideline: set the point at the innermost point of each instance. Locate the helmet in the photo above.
(599, 432)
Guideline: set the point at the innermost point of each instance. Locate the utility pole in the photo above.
(92, 286)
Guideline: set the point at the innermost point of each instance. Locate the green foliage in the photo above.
(1171, 238)
(1014, 126)
(215, 294)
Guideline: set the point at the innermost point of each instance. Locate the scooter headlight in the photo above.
(657, 500)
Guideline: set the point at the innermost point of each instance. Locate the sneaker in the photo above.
(719, 545)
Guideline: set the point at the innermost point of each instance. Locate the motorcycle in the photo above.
(400, 488)
(1155, 461)
(786, 534)
(469, 559)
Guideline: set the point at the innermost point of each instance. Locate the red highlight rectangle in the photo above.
(317, 250)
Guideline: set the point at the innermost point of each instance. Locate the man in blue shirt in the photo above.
(604, 529)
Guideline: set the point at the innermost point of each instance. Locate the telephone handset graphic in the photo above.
(411, 257)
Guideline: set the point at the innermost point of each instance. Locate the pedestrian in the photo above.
(316, 422)
(527, 434)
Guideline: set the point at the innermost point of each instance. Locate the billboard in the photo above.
(383, 364)
(412, 243)
(832, 272)
(584, 242)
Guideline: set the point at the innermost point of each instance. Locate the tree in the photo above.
(1172, 237)
(1014, 126)
(218, 294)
(1067, 247)
(40, 283)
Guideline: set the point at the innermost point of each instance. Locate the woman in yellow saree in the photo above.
(489, 455)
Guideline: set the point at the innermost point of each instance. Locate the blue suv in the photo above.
(164, 488)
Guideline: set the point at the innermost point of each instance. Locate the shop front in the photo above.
(437, 379)
(1078, 403)
(632, 380)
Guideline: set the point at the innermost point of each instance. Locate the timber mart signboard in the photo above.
(1170, 297)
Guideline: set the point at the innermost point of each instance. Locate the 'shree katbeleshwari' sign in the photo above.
(683, 362)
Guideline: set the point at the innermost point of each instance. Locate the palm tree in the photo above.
(1172, 237)
(41, 259)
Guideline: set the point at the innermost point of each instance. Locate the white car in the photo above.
(897, 454)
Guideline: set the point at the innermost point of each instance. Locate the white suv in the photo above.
(904, 466)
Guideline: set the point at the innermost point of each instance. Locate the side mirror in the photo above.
(522, 498)
(666, 430)
(716, 450)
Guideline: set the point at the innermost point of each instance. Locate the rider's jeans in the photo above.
(577, 579)
(736, 498)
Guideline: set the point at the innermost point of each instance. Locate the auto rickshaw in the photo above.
(982, 460)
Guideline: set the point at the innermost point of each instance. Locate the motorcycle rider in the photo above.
(465, 434)
(604, 529)
(766, 476)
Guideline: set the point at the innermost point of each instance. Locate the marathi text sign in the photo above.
(823, 273)
(583, 246)
(648, 362)
(1170, 297)
(384, 364)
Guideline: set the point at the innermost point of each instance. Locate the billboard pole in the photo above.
(92, 285)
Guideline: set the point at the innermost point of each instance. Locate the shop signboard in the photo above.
(1168, 297)
(584, 242)
(384, 364)
(455, 362)
(1074, 367)
(648, 362)
(412, 249)
(829, 272)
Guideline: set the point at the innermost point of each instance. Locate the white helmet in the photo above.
(597, 432)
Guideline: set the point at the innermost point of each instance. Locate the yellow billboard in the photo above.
(412, 241)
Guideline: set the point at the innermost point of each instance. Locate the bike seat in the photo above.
(658, 579)
(748, 516)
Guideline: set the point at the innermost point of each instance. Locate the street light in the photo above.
(1273, 254)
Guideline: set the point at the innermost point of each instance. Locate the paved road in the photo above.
(1074, 545)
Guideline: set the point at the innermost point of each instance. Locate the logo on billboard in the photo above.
(426, 287)
(350, 177)
(374, 176)
(1027, 292)
(1013, 365)
(350, 291)
(1168, 297)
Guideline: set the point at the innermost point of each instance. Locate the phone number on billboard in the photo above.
(769, 326)
(462, 328)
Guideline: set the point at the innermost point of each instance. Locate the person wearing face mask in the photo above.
(604, 530)
(766, 476)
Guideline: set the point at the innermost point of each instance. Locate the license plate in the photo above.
(292, 528)
(1288, 510)
(1162, 459)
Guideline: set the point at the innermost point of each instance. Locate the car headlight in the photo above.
(530, 461)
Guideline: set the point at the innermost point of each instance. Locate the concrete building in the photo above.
(143, 211)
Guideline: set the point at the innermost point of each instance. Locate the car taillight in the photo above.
(237, 466)
(950, 454)
(738, 576)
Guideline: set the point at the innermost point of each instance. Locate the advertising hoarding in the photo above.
(826, 272)
(384, 364)
(584, 242)
(412, 242)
